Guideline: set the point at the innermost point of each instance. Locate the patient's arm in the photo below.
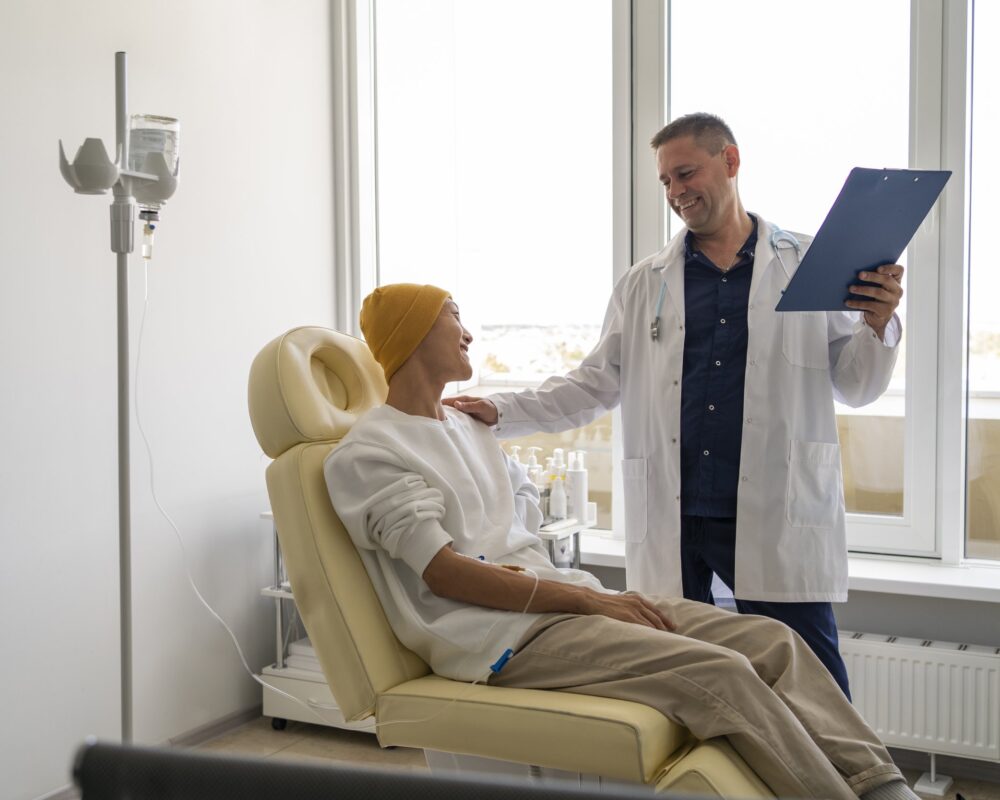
(468, 580)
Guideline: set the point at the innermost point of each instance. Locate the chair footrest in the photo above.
(560, 730)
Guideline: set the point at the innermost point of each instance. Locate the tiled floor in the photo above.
(300, 741)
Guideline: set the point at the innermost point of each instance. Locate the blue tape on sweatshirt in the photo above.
(499, 665)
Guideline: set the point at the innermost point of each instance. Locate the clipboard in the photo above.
(871, 223)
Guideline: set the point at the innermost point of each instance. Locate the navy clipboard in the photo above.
(870, 224)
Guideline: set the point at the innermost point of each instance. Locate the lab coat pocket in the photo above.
(804, 339)
(814, 493)
(634, 480)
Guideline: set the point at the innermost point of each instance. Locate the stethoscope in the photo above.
(778, 237)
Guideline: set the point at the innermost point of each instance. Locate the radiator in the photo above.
(937, 697)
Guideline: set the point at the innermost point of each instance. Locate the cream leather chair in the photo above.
(306, 389)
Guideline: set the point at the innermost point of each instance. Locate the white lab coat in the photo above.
(790, 537)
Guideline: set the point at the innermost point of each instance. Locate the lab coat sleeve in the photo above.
(861, 364)
(384, 505)
(526, 500)
(569, 401)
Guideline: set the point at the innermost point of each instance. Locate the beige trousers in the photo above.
(748, 678)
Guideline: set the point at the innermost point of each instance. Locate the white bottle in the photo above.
(534, 471)
(515, 453)
(577, 489)
(558, 462)
(545, 491)
(557, 498)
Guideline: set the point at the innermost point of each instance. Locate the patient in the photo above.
(446, 527)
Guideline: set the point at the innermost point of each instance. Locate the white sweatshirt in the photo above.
(405, 486)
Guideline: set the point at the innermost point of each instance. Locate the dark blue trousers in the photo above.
(708, 545)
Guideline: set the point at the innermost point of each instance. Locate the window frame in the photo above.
(932, 526)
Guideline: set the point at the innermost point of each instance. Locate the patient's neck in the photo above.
(416, 395)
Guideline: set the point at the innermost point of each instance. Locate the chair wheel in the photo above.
(278, 723)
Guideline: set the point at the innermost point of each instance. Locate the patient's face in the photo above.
(446, 346)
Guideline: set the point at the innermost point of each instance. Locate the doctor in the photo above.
(731, 458)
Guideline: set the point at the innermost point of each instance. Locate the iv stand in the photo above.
(93, 172)
(122, 219)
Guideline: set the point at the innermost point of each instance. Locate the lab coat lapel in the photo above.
(670, 266)
(764, 258)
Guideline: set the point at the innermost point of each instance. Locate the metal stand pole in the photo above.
(124, 505)
(122, 217)
(930, 783)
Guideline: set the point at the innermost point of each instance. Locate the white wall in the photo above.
(243, 253)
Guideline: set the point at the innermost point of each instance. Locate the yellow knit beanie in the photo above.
(396, 317)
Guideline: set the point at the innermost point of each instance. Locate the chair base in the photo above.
(710, 769)
(453, 763)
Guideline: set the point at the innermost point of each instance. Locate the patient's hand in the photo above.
(628, 607)
(476, 407)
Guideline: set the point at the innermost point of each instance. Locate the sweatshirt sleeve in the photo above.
(384, 505)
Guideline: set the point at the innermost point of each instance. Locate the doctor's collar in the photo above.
(748, 247)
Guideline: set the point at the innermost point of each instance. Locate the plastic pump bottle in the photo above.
(535, 476)
(545, 490)
(577, 489)
(515, 451)
(557, 498)
(534, 471)
(558, 462)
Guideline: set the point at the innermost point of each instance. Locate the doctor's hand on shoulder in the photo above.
(878, 302)
(476, 407)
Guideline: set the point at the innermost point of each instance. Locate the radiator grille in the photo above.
(937, 697)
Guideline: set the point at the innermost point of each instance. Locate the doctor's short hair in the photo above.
(708, 130)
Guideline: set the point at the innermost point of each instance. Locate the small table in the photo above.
(562, 538)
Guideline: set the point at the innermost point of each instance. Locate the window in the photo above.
(983, 470)
(494, 152)
(804, 116)
(497, 141)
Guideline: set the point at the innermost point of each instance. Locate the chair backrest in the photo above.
(307, 387)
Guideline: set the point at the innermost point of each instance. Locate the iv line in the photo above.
(167, 517)
(177, 534)
(501, 662)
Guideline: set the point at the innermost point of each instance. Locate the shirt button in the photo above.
(722, 321)
(711, 407)
(718, 363)
(705, 453)
(744, 479)
(675, 383)
(749, 421)
(674, 440)
(725, 280)
(750, 306)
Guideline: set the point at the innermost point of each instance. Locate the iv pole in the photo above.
(93, 172)
(122, 218)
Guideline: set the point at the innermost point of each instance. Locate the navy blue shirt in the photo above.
(715, 361)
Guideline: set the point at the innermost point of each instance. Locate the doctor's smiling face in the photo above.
(700, 184)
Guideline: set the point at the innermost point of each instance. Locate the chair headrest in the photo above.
(309, 385)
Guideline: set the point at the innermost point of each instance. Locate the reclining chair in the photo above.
(306, 389)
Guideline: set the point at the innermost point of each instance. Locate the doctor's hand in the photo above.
(878, 302)
(476, 407)
(627, 607)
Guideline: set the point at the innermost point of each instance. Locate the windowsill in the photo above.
(866, 573)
